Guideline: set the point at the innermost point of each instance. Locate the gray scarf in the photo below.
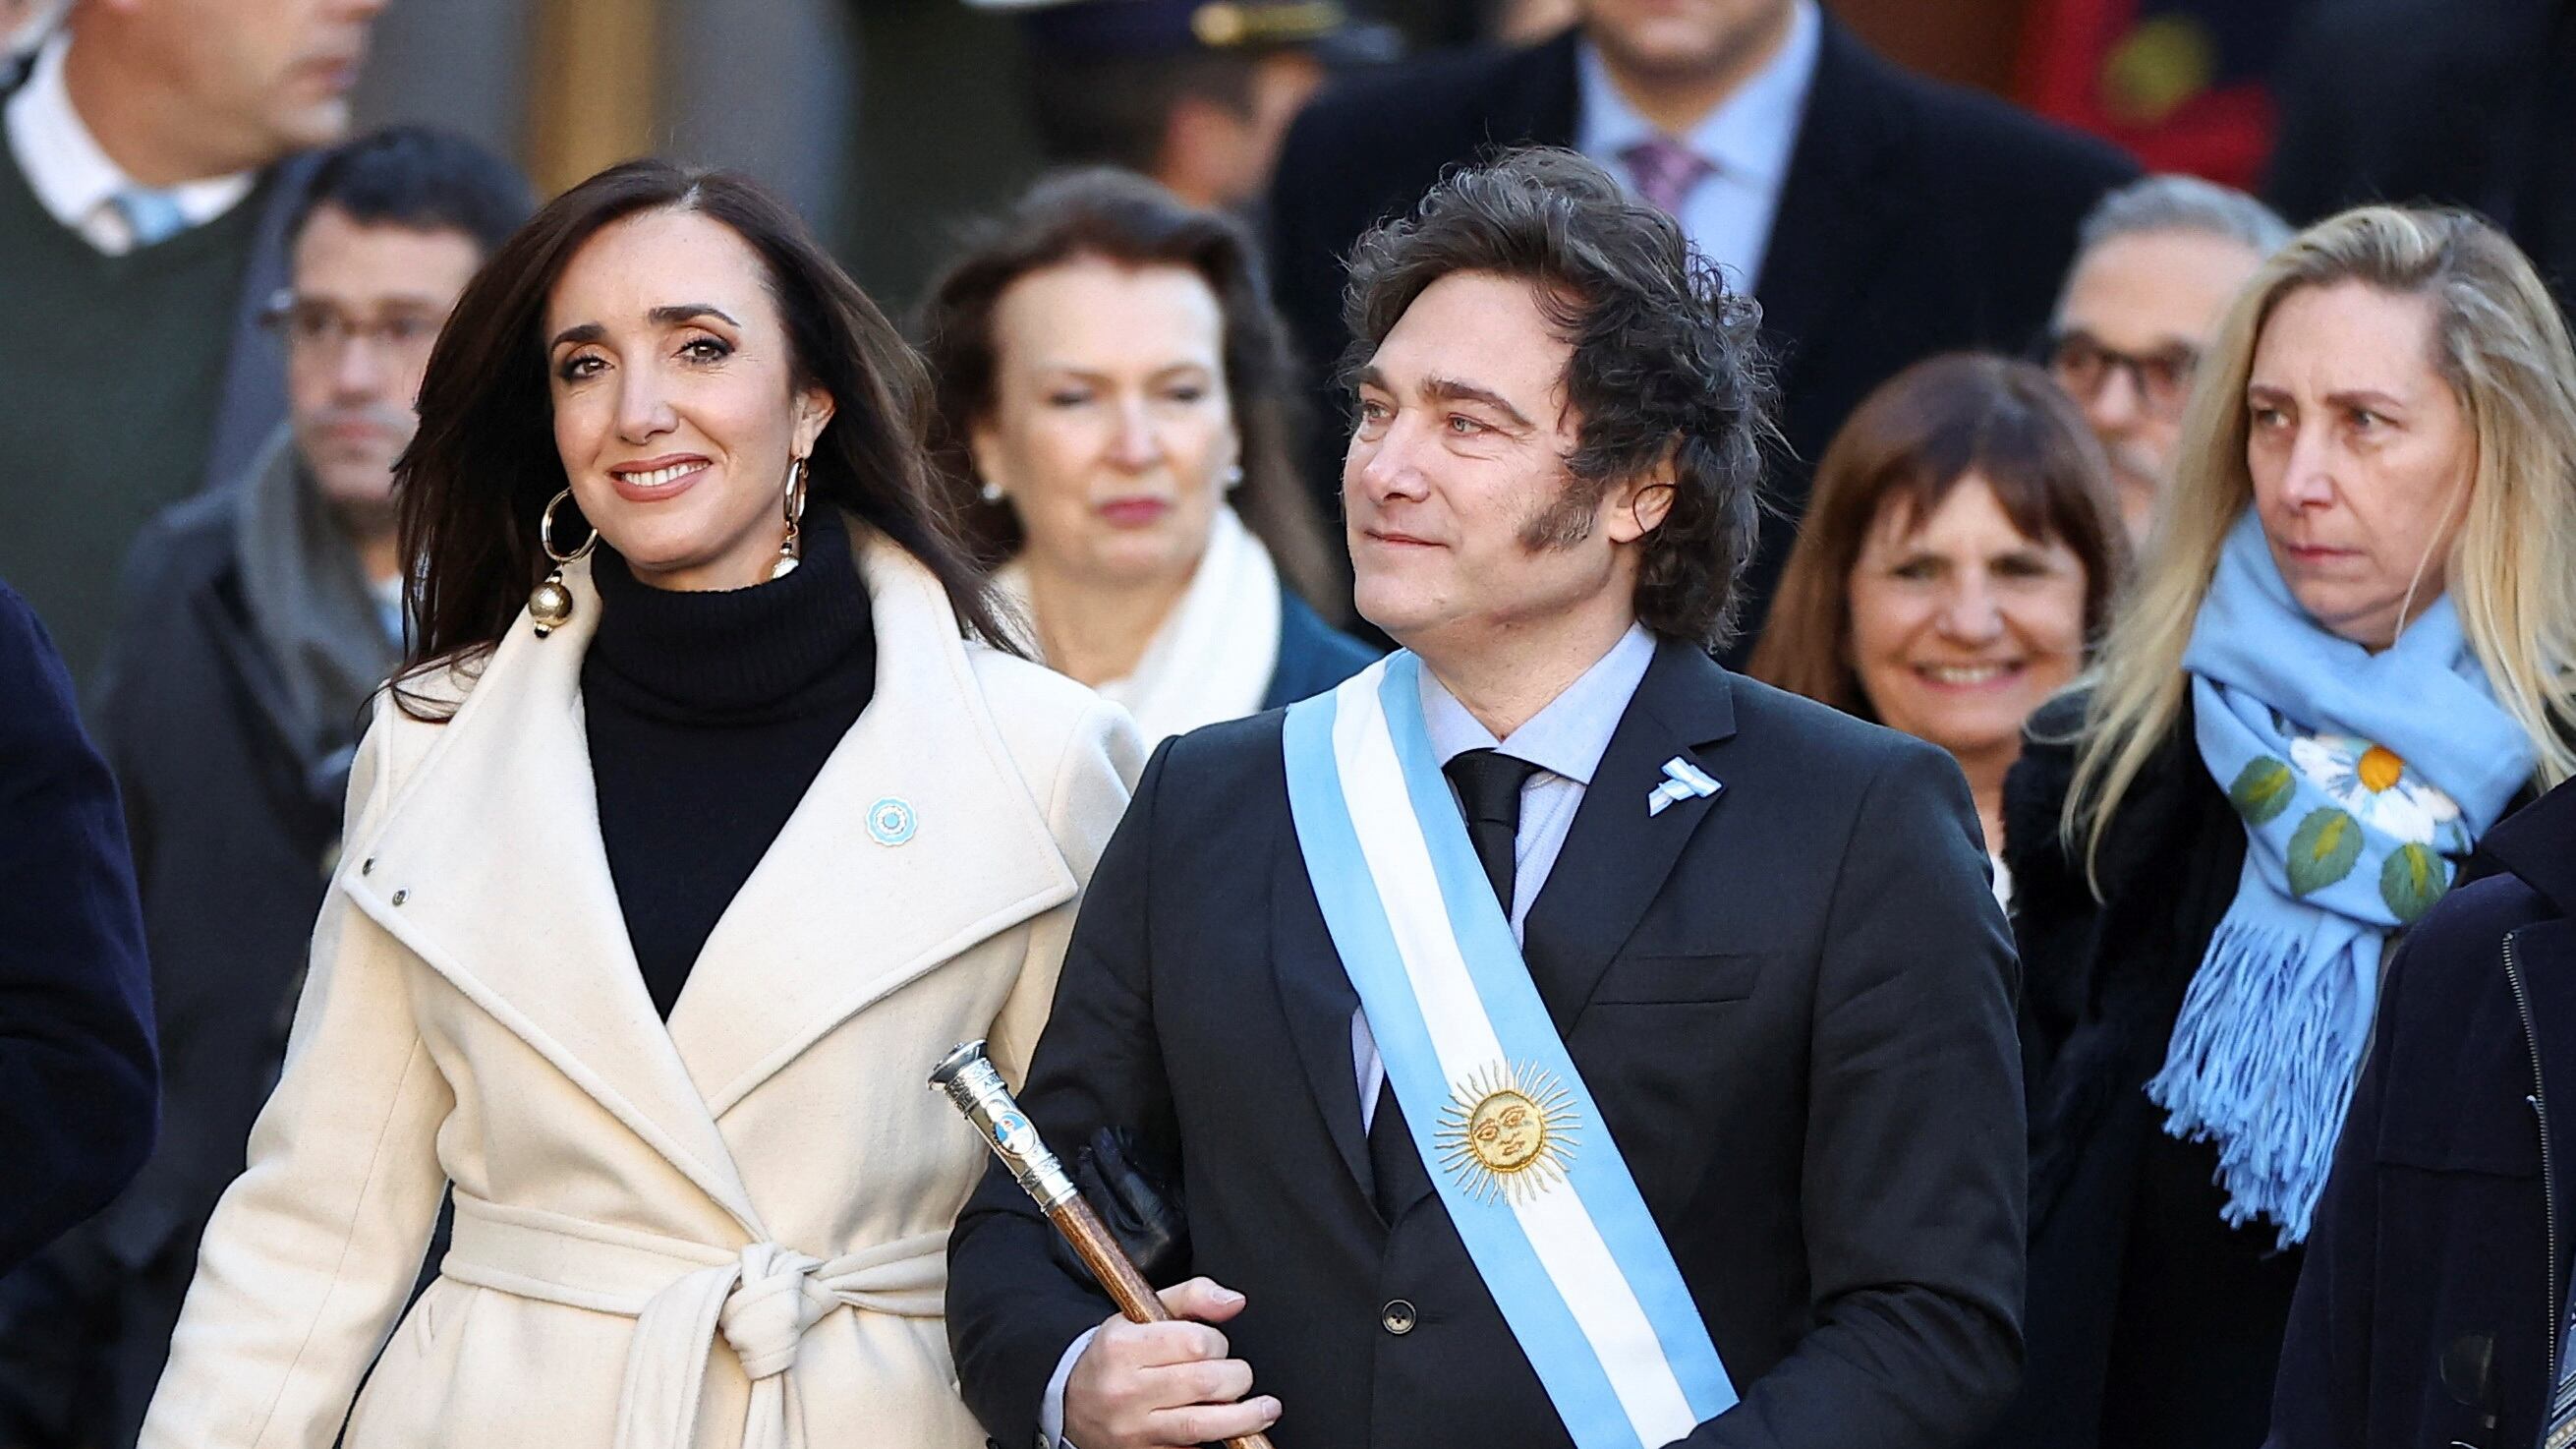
(309, 601)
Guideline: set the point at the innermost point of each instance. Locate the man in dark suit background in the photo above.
(2465, 102)
(1878, 217)
(1785, 985)
(77, 1076)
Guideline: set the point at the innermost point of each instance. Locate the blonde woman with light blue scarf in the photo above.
(2344, 660)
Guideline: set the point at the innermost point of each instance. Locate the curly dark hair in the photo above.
(1118, 216)
(1666, 364)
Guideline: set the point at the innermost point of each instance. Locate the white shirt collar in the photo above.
(71, 173)
(1566, 738)
(1748, 138)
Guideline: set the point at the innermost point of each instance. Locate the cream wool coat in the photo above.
(732, 1231)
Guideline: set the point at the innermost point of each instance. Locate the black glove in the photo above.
(1139, 1205)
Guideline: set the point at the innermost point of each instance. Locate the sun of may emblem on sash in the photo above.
(1508, 1130)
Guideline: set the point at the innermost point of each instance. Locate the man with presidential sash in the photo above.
(1547, 1038)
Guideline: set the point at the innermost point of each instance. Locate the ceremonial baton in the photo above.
(970, 1081)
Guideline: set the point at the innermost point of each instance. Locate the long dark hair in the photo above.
(1118, 216)
(475, 479)
(1908, 444)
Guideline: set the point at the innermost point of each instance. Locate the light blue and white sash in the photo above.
(1513, 1140)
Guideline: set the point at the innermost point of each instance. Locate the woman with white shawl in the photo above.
(1112, 394)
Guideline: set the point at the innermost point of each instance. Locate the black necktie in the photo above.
(1489, 795)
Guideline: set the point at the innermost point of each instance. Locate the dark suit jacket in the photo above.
(1916, 218)
(1792, 1000)
(2466, 102)
(77, 1080)
(1313, 655)
(2431, 1303)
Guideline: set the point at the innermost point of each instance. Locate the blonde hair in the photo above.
(2500, 343)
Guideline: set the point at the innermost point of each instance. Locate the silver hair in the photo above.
(2170, 202)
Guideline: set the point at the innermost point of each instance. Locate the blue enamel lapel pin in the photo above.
(1682, 781)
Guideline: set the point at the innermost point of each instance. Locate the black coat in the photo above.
(1313, 655)
(1916, 218)
(1792, 1001)
(2150, 1320)
(2430, 1307)
(2468, 102)
(77, 1076)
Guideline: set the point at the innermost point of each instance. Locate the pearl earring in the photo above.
(550, 603)
(991, 492)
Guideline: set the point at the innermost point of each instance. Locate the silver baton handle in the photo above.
(969, 1079)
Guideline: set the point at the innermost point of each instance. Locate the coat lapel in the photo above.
(489, 867)
(1617, 856)
(917, 839)
(1833, 230)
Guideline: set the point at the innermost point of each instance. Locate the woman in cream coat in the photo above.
(702, 1194)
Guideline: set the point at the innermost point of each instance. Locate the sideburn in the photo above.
(1567, 519)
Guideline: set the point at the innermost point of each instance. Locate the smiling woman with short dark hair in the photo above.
(1958, 559)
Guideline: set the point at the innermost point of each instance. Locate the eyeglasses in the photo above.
(2084, 366)
(316, 330)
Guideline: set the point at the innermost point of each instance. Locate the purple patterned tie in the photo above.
(1664, 171)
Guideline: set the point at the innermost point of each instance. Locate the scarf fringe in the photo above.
(2263, 1062)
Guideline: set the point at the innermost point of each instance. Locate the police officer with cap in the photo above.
(1197, 94)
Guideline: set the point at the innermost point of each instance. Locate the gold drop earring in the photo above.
(550, 603)
(791, 550)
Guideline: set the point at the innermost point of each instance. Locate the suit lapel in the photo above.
(1538, 98)
(489, 867)
(1319, 1000)
(1833, 229)
(917, 839)
(1617, 856)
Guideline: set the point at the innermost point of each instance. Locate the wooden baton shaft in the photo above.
(1109, 1263)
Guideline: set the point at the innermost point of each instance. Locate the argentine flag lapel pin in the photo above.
(1682, 781)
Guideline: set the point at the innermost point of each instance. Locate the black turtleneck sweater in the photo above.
(708, 715)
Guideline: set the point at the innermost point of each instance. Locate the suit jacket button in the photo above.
(1398, 1318)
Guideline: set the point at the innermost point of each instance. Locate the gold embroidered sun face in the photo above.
(1508, 1130)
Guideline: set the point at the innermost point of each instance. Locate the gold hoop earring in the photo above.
(791, 550)
(550, 603)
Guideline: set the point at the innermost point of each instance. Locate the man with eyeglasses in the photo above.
(2156, 264)
(254, 622)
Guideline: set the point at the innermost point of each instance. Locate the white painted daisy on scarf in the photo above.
(2373, 783)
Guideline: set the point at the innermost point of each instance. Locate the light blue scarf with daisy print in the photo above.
(2361, 779)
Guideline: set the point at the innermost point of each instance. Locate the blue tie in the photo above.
(153, 216)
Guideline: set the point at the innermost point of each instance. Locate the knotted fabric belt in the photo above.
(681, 1294)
